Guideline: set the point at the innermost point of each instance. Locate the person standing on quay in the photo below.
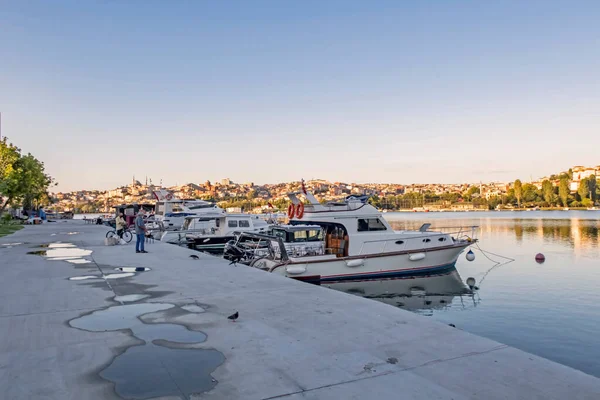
(140, 231)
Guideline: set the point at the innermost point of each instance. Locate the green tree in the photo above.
(548, 191)
(584, 189)
(593, 185)
(570, 174)
(518, 186)
(22, 178)
(563, 191)
(530, 193)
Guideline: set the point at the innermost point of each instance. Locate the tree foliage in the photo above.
(593, 184)
(518, 186)
(563, 191)
(548, 191)
(584, 188)
(23, 179)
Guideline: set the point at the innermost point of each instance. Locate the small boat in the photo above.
(171, 212)
(210, 232)
(347, 241)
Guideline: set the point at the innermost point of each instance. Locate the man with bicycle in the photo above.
(120, 225)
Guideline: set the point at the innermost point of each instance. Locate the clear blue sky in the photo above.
(268, 91)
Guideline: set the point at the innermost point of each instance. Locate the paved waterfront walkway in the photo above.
(292, 340)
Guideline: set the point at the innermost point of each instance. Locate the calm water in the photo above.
(548, 309)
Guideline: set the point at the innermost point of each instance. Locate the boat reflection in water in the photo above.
(421, 294)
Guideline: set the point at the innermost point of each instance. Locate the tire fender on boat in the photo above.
(295, 269)
(355, 263)
(416, 256)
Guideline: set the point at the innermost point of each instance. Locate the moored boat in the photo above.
(347, 241)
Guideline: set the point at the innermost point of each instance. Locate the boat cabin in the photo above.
(301, 240)
(224, 224)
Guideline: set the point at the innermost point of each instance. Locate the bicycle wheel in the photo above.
(127, 236)
(111, 234)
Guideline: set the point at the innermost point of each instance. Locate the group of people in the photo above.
(140, 229)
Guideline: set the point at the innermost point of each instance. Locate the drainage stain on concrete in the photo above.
(38, 252)
(154, 369)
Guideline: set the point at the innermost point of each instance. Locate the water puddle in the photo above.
(130, 298)
(193, 308)
(154, 369)
(132, 269)
(117, 276)
(62, 252)
(83, 278)
(109, 276)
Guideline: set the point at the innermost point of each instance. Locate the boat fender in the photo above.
(416, 256)
(291, 211)
(295, 270)
(355, 263)
(300, 210)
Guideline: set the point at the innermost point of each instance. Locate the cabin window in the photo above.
(280, 234)
(370, 224)
(400, 242)
(244, 224)
(232, 224)
(442, 239)
(315, 235)
(300, 236)
(176, 208)
(426, 240)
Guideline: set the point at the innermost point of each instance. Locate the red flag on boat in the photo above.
(303, 187)
(270, 205)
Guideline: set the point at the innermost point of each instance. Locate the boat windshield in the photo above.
(295, 236)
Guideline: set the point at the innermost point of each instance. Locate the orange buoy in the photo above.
(300, 211)
(291, 211)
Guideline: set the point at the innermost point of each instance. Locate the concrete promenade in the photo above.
(164, 333)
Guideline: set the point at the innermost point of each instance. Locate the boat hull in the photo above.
(373, 267)
(213, 245)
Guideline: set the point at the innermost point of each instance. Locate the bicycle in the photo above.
(126, 236)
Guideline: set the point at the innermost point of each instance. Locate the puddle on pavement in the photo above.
(109, 276)
(62, 252)
(117, 276)
(193, 308)
(153, 370)
(84, 277)
(130, 298)
(132, 269)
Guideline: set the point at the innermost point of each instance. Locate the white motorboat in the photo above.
(171, 212)
(209, 232)
(347, 241)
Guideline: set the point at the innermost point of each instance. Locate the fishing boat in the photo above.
(347, 241)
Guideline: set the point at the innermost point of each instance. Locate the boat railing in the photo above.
(458, 234)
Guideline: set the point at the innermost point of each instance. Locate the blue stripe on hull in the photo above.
(392, 274)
